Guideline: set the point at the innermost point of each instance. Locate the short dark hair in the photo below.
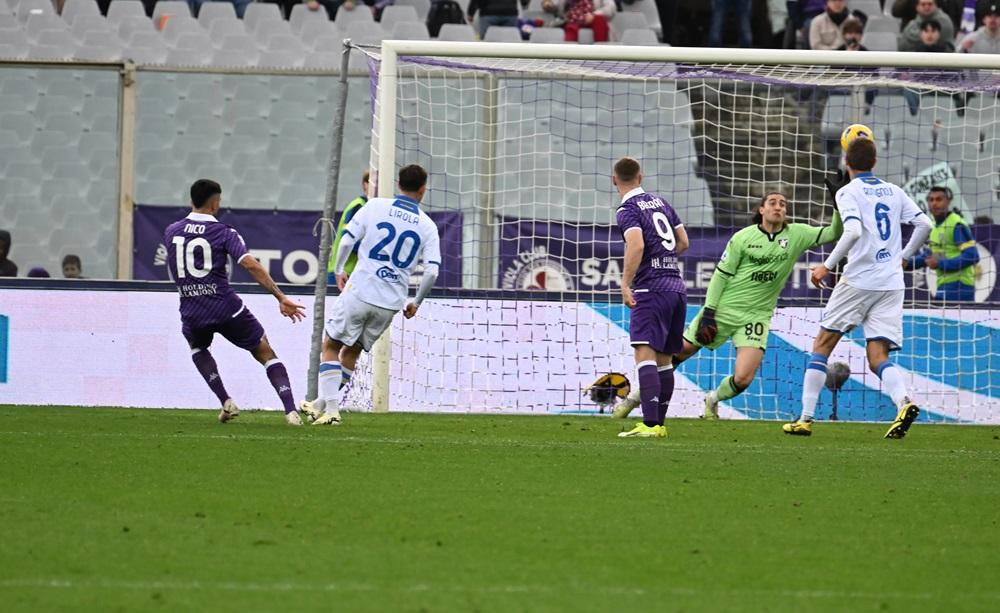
(758, 217)
(861, 154)
(366, 176)
(72, 259)
(931, 24)
(412, 178)
(852, 24)
(627, 169)
(944, 191)
(202, 191)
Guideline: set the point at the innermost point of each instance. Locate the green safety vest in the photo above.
(349, 212)
(943, 245)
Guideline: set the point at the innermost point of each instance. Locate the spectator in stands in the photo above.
(239, 5)
(983, 220)
(72, 267)
(722, 8)
(801, 13)
(578, 14)
(38, 273)
(825, 30)
(987, 38)
(912, 37)
(7, 268)
(907, 10)
(501, 13)
(931, 40)
(952, 250)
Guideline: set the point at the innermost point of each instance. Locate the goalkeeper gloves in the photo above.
(707, 328)
(840, 180)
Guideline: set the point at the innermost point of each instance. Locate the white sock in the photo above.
(329, 382)
(633, 398)
(892, 382)
(812, 385)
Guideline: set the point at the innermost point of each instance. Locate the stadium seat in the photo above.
(302, 16)
(639, 36)
(650, 11)
(871, 8)
(258, 13)
(266, 29)
(393, 14)
(26, 8)
(8, 22)
(187, 57)
(458, 32)
(221, 28)
(286, 42)
(146, 48)
(129, 27)
(280, 59)
(882, 24)
(172, 8)
(16, 39)
(330, 44)
(880, 41)
(194, 41)
(122, 9)
(503, 34)
(97, 46)
(547, 35)
(211, 11)
(92, 23)
(62, 51)
(410, 30)
(36, 24)
(73, 9)
(346, 18)
(627, 21)
(322, 60)
(423, 7)
(312, 30)
(178, 26)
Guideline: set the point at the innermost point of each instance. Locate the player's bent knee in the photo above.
(743, 380)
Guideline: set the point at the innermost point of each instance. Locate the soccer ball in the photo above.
(854, 131)
(837, 374)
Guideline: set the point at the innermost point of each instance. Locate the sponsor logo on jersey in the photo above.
(783, 243)
(763, 276)
(767, 259)
(536, 269)
(387, 274)
(883, 255)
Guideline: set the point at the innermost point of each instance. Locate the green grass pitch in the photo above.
(113, 509)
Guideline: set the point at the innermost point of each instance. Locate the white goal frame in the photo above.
(389, 66)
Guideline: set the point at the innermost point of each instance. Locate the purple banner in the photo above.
(283, 241)
(553, 256)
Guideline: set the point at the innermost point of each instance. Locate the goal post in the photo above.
(519, 139)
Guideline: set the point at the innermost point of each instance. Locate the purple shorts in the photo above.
(242, 330)
(658, 321)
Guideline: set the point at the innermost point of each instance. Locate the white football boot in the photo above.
(330, 417)
(293, 419)
(229, 411)
(313, 409)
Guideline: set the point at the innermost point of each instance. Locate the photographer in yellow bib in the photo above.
(951, 250)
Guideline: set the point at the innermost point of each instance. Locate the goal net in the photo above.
(520, 144)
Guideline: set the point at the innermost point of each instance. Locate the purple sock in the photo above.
(666, 390)
(205, 364)
(278, 377)
(649, 392)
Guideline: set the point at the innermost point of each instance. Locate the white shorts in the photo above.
(351, 320)
(878, 312)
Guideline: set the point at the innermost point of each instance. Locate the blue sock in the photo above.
(345, 376)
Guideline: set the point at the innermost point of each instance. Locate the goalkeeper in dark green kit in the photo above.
(743, 294)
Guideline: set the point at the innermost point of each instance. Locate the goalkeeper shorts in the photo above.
(749, 333)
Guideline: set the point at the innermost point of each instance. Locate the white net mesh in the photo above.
(520, 153)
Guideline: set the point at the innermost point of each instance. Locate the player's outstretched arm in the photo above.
(343, 252)
(852, 232)
(832, 232)
(288, 307)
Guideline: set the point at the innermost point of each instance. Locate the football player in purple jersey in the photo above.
(198, 252)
